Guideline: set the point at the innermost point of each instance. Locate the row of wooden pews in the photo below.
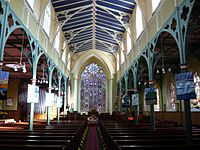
(65, 135)
(138, 137)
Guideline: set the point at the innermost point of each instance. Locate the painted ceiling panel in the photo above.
(93, 24)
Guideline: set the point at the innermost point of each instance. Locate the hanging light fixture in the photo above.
(157, 71)
(24, 68)
(162, 55)
(169, 69)
(19, 65)
(43, 79)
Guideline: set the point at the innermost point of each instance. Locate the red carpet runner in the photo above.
(92, 143)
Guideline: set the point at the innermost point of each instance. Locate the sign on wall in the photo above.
(185, 86)
(150, 96)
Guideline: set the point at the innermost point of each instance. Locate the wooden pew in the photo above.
(156, 147)
(60, 136)
(128, 137)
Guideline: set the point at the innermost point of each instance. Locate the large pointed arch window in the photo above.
(155, 4)
(129, 42)
(47, 18)
(93, 89)
(64, 52)
(139, 25)
(122, 53)
(68, 61)
(31, 3)
(57, 40)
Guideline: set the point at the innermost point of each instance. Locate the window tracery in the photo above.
(93, 88)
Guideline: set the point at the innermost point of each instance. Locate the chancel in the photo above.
(99, 74)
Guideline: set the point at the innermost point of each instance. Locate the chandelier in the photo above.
(20, 64)
(43, 79)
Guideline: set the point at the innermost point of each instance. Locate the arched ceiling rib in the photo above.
(93, 24)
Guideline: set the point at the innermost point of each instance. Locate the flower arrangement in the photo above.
(3, 114)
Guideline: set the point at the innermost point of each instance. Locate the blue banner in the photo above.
(185, 86)
(126, 101)
(150, 96)
(4, 76)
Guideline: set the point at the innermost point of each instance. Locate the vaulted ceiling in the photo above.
(93, 24)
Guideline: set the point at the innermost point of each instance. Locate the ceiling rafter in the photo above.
(115, 5)
(73, 9)
(75, 22)
(74, 35)
(124, 1)
(65, 5)
(94, 23)
(106, 30)
(107, 20)
(117, 17)
(78, 16)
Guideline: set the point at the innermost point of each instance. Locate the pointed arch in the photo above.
(95, 56)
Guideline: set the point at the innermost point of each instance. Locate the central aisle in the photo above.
(92, 142)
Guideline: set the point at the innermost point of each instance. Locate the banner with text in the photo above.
(185, 86)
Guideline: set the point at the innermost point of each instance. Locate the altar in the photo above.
(92, 120)
(7, 121)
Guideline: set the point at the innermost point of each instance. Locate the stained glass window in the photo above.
(171, 104)
(195, 103)
(93, 88)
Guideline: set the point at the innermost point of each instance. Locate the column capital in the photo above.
(33, 81)
(1, 62)
(183, 66)
(75, 78)
(135, 90)
(151, 82)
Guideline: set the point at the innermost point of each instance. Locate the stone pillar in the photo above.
(32, 110)
(75, 94)
(111, 96)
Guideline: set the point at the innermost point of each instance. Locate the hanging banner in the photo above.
(126, 101)
(185, 86)
(4, 76)
(150, 96)
(135, 99)
(33, 94)
(49, 99)
(59, 101)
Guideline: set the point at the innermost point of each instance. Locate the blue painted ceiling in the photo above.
(93, 24)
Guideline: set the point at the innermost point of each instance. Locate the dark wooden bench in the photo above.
(17, 146)
(59, 137)
(130, 137)
(156, 147)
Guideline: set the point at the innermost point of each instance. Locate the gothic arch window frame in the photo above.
(139, 24)
(47, 19)
(93, 88)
